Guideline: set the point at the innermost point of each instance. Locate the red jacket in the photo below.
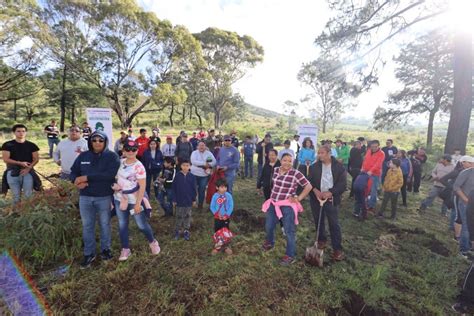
(142, 145)
(373, 162)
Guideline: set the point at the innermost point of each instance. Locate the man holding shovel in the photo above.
(328, 178)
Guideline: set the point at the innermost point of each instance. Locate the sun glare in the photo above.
(462, 14)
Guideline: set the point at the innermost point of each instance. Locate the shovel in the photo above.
(314, 255)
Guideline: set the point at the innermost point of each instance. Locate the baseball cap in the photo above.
(446, 157)
(131, 144)
(123, 132)
(227, 137)
(467, 158)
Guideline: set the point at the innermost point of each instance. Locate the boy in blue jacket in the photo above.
(93, 173)
(184, 198)
(222, 206)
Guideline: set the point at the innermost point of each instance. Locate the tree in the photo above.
(290, 108)
(424, 68)
(228, 56)
(328, 83)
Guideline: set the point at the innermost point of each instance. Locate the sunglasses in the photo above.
(131, 149)
(97, 140)
(227, 140)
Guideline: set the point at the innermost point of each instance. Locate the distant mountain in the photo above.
(255, 110)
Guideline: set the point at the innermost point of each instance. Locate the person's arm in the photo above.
(236, 161)
(230, 206)
(57, 154)
(399, 180)
(378, 163)
(306, 190)
(75, 169)
(341, 184)
(193, 188)
(213, 206)
(262, 175)
(174, 187)
(213, 163)
(410, 172)
(9, 161)
(460, 180)
(108, 173)
(434, 173)
(140, 194)
(195, 160)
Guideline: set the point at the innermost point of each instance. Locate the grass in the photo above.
(407, 267)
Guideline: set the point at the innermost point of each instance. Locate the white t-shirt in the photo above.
(327, 181)
(286, 151)
(168, 150)
(127, 178)
(67, 151)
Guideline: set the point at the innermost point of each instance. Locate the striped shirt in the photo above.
(285, 185)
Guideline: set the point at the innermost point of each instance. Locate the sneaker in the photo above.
(176, 234)
(187, 235)
(106, 255)
(287, 260)
(267, 246)
(215, 251)
(462, 308)
(337, 255)
(283, 231)
(124, 254)
(464, 254)
(355, 214)
(155, 247)
(86, 262)
(228, 251)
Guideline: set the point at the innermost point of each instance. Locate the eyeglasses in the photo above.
(131, 149)
(97, 140)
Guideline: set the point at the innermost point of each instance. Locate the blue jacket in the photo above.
(226, 209)
(152, 164)
(405, 166)
(249, 149)
(184, 189)
(100, 169)
(306, 154)
(229, 157)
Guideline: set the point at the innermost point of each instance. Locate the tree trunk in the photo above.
(199, 116)
(429, 134)
(63, 92)
(460, 117)
(14, 110)
(73, 114)
(183, 119)
(217, 119)
(171, 115)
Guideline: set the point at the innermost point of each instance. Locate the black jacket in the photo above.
(266, 177)
(339, 176)
(37, 185)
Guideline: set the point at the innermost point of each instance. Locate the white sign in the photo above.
(310, 131)
(101, 119)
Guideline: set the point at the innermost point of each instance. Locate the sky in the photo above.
(286, 30)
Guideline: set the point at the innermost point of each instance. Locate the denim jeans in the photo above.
(432, 195)
(166, 199)
(248, 163)
(230, 178)
(288, 224)
(142, 222)
(259, 170)
(90, 207)
(373, 191)
(51, 143)
(19, 183)
(201, 183)
(464, 242)
(330, 211)
(452, 219)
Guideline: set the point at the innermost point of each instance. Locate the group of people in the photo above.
(121, 181)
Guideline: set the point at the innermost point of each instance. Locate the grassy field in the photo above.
(407, 267)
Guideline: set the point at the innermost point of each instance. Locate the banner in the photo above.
(101, 119)
(310, 131)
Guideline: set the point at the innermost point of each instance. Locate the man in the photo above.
(263, 148)
(228, 161)
(456, 156)
(363, 142)
(355, 162)
(248, 150)
(52, 133)
(418, 158)
(184, 149)
(342, 151)
(201, 134)
(372, 165)
(390, 152)
(211, 140)
(442, 168)
(20, 156)
(235, 140)
(68, 150)
(93, 173)
(142, 141)
(286, 150)
(178, 139)
(130, 134)
(295, 146)
(328, 143)
(462, 188)
(329, 179)
(119, 143)
(86, 131)
(169, 148)
(194, 141)
(156, 135)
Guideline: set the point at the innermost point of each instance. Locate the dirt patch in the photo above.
(356, 306)
(428, 240)
(437, 247)
(247, 221)
(386, 242)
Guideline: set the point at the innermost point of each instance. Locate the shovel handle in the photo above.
(321, 202)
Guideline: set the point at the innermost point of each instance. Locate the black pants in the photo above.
(219, 224)
(467, 292)
(403, 190)
(354, 173)
(415, 183)
(392, 197)
(330, 211)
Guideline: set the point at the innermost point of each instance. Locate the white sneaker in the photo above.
(124, 254)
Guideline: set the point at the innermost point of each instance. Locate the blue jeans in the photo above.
(248, 163)
(201, 188)
(51, 143)
(373, 191)
(19, 183)
(464, 242)
(90, 207)
(452, 219)
(230, 178)
(142, 222)
(259, 170)
(166, 199)
(288, 220)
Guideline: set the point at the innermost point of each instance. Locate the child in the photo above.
(391, 187)
(222, 206)
(164, 192)
(287, 149)
(184, 198)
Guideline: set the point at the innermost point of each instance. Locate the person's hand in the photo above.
(326, 195)
(24, 164)
(58, 162)
(25, 171)
(259, 191)
(82, 185)
(264, 144)
(174, 204)
(194, 204)
(369, 173)
(161, 180)
(137, 208)
(318, 194)
(294, 199)
(80, 179)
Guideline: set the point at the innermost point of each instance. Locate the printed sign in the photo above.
(100, 119)
(310, 131)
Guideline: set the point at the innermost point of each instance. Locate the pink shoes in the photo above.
(155, 247)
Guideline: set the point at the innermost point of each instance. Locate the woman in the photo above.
(153, 163)
(131, 174)
(407, 171)
(202, 162)
(265, 180)
(307, 156)
(284, 201)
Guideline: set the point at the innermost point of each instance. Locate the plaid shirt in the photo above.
(285, 185)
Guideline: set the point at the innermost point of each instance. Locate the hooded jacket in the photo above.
(100, 168)
(339, 177)
(373, 162)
